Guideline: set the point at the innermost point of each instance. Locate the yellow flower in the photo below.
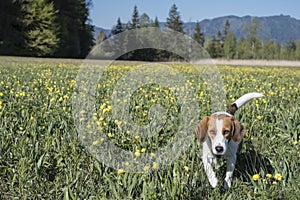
(121, 171)
(143, 150)
(278, 177)
(295, 143)
(21, 128)
(155, 165)
(259, 117)
(186, 168)
(137, 153)
(146, 168)
(96, 142)
(255, 177)
(110, 135)
(274, 183)
(269, 175)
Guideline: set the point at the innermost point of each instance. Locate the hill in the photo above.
(280, 29)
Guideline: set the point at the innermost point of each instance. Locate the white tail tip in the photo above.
(247, 97)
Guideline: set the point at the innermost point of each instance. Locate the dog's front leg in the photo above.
(229, 171)
(207, 159)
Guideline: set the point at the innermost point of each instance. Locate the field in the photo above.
(44, 155)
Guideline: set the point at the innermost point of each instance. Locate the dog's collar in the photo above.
(222, 113)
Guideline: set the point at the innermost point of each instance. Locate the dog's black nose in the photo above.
(219, 149)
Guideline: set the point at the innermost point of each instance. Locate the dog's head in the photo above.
(220, 129)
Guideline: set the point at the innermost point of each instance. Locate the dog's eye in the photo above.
(212, 132)
(226, 132)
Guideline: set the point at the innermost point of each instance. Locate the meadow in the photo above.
(43, 156)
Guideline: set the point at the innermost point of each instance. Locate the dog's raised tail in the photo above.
(242, 101)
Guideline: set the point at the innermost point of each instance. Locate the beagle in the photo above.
(221, 135)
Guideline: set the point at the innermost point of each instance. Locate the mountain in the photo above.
(280, 29)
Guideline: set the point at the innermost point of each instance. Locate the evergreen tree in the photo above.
(135, 22)
(174, 20)
(155, 23)
(119, 28)
(226, 29)
(198, 36)
(42, 36)
(12, 29)
(76, 33)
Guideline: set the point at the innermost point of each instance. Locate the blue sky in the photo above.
(105, 13)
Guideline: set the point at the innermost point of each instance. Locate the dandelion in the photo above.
(110, 135)
(186, 168)
(278, 177)
(295, 143)
(274, 183)
(269, 175)
(146, 168)
(121, 171)
(21, 128)
(259, 117)
(255, 177)
(155, 165)
(137, 153)
(143, 150)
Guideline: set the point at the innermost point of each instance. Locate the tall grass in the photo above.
(42, 157)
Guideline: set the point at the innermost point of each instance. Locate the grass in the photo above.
(43, 155)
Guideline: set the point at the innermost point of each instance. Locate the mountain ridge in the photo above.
(280, 28)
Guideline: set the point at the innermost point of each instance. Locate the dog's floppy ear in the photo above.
(237, 132)
(201, 129)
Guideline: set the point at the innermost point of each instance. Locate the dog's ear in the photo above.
(237, 131)
(201, 129)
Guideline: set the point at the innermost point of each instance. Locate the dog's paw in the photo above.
(227, 184)
(213, 182)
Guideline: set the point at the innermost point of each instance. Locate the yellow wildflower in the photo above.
(278, 177)
(255, 177)
(121, 171)
(155, 165)
(186, 168)
(259, 117)
(295, 143)
(269, 175)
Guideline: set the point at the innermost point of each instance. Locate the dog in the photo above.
(221, 135)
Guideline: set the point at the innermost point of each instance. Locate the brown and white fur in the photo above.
(221, 135)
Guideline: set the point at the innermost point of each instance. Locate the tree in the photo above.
(145, 20)
(76, 32)
(198, 36)
(155, 23)
(12, 29)
(229, 45)
(101, 37)
(174, 20)
(42, 31)
(135, 22)
(226, 29)
(253, 37)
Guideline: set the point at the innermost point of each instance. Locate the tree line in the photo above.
(222, 45)
(45, 28)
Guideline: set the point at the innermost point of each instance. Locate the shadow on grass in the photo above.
(250, 162)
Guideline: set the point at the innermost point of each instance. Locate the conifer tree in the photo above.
(42, 31)
(174, 20)
(198, 35)
(135, 22)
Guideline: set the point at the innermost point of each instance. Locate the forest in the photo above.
(56, 28)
